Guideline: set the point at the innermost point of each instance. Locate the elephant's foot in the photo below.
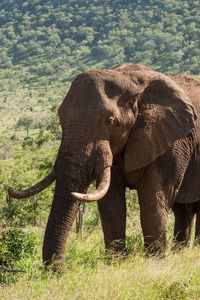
(179, 245)
(116, 247)
(155, 247)
(56, 266)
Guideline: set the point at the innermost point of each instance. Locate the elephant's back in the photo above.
(190, 85)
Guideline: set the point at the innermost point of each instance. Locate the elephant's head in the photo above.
(129, 109)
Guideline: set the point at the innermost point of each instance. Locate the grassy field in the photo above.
(34, 100)
(93, 274)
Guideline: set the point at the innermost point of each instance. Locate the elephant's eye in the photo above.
(111, 121)
(127, 103)
(132, 103)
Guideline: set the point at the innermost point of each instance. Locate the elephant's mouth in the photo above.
(100, 162)
(102, 188)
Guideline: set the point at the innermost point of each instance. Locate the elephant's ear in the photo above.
(165, 115)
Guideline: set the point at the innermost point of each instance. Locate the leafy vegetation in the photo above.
(16, 247)
(49, 37)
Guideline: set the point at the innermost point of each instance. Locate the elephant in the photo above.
(129, 126)
(184, 219)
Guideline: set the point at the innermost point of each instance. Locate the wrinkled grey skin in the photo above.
(170, 181)
(145, 126)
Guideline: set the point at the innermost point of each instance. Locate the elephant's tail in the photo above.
(35, 189)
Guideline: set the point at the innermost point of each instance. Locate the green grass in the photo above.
(21, 100)
(92, 274)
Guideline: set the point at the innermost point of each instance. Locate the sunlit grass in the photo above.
(93, 274)
(133, 277)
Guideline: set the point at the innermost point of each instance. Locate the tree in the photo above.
(25, 122)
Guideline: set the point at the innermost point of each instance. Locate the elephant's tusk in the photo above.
(103, 186)
(38, 187)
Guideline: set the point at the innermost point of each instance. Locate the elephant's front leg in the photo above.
(112, 209)
(153, 212)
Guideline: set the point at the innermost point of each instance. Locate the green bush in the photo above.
(16, 247)
(16, 244)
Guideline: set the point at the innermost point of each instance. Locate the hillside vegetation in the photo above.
(44, 44)
(55, 37)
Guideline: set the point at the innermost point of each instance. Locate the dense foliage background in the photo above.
(43, 45)
(58, 36)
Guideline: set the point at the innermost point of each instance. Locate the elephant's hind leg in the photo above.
(184, 216)
(197, 226)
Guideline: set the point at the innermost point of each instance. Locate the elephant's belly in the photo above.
(132, 178)
(189, 191)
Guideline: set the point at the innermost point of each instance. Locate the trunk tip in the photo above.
(9, 189)
(12, 193)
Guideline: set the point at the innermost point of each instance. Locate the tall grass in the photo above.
(92, 274)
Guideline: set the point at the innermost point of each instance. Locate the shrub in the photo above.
(16, 246)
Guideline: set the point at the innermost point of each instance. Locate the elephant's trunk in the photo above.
(37, 188)
(62, 215)
(76, 167)
(64, 209)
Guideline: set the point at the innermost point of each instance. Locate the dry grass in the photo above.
(92, 275)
